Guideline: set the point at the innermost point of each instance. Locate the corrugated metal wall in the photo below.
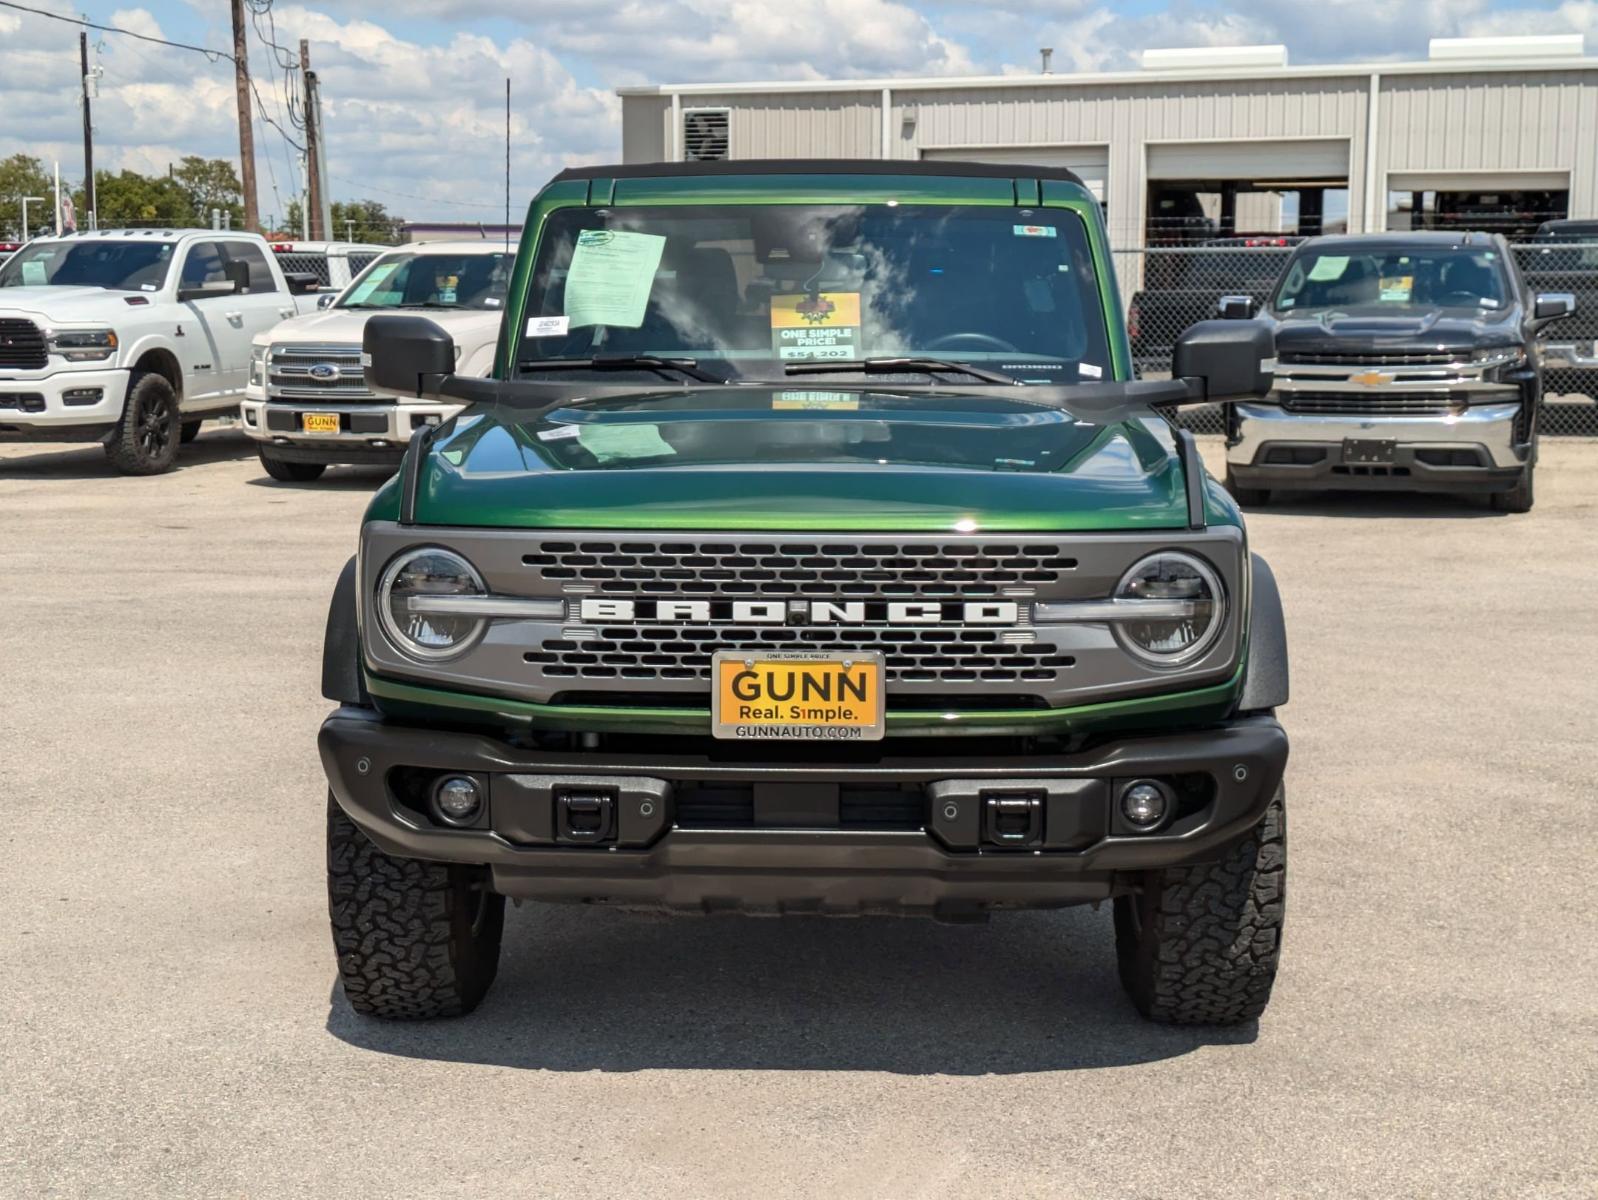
(1427, 122)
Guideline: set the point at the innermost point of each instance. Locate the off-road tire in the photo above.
(1519, 498)
(1199, 945)
(1246, 497)
(145, 440)
(291, 472)
(414, 939)
(191, 430)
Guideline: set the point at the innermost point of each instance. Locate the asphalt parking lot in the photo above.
(172, 1027)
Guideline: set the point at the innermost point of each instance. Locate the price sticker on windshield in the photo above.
(822, 325)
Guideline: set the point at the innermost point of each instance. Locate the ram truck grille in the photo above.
(332, 373)
(22, 346)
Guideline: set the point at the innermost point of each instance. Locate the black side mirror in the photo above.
(302, 283)
(1230, 360)
(237, 272)
(1551, 306)
(406, 356)
(1237, 308)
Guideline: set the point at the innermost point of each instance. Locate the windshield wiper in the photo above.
(624, 362)
(895, 366)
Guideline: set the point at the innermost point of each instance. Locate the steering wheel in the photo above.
(971, 341)
(1460, 300)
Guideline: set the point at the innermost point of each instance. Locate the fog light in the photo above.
(458, 799)
(82, 395)
(1143, 804)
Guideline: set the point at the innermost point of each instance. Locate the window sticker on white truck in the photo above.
(371, 283)
(548, 326)
(611, 276)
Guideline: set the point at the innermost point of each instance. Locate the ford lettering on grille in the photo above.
(805, 612)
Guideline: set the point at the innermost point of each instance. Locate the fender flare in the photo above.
(1265, 676)
(341, 644)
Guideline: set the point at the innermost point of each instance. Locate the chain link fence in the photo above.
(1167, 289)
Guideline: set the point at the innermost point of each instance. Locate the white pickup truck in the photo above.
(133, 338)
(307, 404)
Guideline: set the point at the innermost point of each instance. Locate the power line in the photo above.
(213, 55)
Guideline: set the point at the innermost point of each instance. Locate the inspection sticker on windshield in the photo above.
(548, 326)
(611, 276)
(820, 325)
(1397, 288)
(836, 401)
(1036, 231)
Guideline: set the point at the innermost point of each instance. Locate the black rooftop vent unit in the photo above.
(705, 136)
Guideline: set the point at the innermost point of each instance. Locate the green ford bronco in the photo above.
(811, 549)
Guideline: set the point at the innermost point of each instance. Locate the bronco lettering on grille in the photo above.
(806, 612)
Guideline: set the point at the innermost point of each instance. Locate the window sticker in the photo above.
(1397, 289)
(611, 275)
(826, 325)
(614, 443)
(448, 289)
(1089, 370)
(1042, 231)
(371, 283)
(820, 401)
(1328, 267)
(33, 274)
(548, 326)
(559, 433)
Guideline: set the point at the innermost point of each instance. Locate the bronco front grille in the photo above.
(1377, 402)
(828, 568)
(672, 652)
(318, 373)
(22, 345)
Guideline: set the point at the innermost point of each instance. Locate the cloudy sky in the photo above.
(413, 89)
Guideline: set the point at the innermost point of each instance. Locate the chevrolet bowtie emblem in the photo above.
(1372, 378)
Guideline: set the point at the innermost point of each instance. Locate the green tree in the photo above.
(353, 221)
(128, 198)
(211, 183)
(23, 175)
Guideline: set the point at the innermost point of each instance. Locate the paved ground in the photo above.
(171, 1026)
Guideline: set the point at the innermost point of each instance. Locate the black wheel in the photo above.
(191, 430)
(145, 440)
(290, 472)
(1517, 499)
(414, 939)
(1246, 497)
(1199, 945)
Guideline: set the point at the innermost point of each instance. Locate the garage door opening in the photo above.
(1515, 214)
(1205, 211)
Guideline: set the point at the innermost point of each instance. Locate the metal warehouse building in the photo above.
(1205, 144)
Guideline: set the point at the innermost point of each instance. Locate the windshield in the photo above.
(122, 266)
(1388, 280)
(420, 280)
(748, 291)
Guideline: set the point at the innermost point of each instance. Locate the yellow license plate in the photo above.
(797, 697)
(319, 422)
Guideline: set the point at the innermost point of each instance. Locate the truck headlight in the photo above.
(257, 365)
(1495, 359)
(1172, 641)
(408, 583)
(84, 345)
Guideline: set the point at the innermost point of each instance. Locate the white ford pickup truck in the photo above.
(307, 403)
(133, 338)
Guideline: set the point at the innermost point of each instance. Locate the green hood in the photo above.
(753, 458)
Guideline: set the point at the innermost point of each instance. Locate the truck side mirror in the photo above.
(406, 356)
(302, 283)
(1237, 308)
(237, 272)
(1231, 360)
(1551, 306)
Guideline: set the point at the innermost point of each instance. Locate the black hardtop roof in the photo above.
(820, 166)
(1396, 239)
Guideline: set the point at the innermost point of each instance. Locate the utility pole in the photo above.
(90, 210)
(315, 230)
(241, 83)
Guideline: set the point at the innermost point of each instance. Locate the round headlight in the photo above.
(1195, 608)
(409, 582)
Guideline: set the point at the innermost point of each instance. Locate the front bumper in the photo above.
(368, 432)
(795, 832)
(35, 403)
(1476, 449)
